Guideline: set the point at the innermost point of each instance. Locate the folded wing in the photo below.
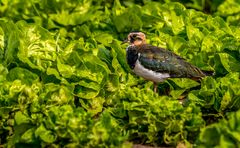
(164, 61)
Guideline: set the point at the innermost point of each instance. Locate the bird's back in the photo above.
(163, 61)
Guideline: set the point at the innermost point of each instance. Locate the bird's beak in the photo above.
(124, 41)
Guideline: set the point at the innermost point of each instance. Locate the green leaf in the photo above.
(44, 134)
(226, 142)
(20, 118)
(178, 23)
(28, 136)
(194, 34)
(185, 83)
(211, 43)
(177, 45)
(12, 39)
(80, 14)
(57, 94)
(93, 105)
(65, 70)
(227, 98)
(129, 20)
(177, 93)
(229, 7)
(104, 38)
(22, 74)
(3, 73)
(37, 48)
(208, 136)
(85, 92)
(223, 133)
(229, 62)
(83, 31)
(65, 81)
(120, 55)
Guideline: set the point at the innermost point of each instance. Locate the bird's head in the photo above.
(136, 38)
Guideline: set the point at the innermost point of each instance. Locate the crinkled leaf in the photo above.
(223, 133)
(3, 73)
(37, 47)
(28, 136)
(130, 20)
(230, 63)
(211, 43)
(12, 39)
(20, 118)
(45, 135)
(178, 23)
(104, 39)
(22, 74)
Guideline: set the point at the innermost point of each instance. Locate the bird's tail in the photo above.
(208, 73)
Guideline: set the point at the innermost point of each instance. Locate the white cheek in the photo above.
(137, 43)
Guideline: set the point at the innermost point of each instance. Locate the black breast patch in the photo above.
(132, 56)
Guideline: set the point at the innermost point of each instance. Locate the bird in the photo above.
(157, 64)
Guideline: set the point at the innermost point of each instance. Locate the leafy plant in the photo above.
(222, 134)
(64, 80)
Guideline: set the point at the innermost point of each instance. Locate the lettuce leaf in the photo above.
(225, 133)
(65, 82)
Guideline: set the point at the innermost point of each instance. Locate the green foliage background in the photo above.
(64, 80)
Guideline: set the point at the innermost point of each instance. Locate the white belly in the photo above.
(149, 74)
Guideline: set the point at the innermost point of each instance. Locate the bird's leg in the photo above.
(155, 87)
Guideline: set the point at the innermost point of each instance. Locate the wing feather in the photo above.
(164, 61)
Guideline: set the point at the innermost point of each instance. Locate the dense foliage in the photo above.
(64, 80)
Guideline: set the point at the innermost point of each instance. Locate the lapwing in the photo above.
(158, 64)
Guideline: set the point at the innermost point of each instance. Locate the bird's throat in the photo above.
(132, 56)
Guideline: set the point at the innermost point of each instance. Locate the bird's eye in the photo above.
(134, 35)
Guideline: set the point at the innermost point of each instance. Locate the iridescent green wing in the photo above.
(164, 61)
